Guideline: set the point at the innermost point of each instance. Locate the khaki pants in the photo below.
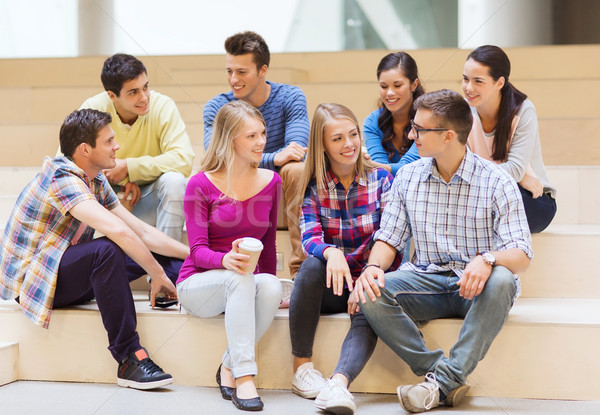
(291, 175)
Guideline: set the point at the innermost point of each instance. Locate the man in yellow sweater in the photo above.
(156, 154)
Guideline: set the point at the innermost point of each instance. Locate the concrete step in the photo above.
(577, 200)
(9, 362)
(542, 352)
(536, 62)
(563, 263)
(39, 104)
(218, 76)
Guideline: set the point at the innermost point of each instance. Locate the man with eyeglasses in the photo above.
(471, 236)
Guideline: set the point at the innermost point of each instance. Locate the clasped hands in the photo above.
(118, 174)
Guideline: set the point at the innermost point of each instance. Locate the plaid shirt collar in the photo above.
(332, 181)
(465, 171)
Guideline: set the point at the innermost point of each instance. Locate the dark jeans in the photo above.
(539, 211)
(310, 297)
(100, 269)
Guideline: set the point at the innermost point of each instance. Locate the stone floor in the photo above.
(50, 398)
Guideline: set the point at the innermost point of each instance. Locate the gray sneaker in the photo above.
(308, 381)
(426, 395)
(420, 397)
(336, 398)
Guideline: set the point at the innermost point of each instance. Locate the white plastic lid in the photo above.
(251, 244)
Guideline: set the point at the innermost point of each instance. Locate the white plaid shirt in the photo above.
(480, 209)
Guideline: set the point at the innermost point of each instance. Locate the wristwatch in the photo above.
(489, 258)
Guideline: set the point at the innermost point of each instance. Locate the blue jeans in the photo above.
(411, 296)
(539, 211)
(249, 303)
(311, 297)
(161, 204)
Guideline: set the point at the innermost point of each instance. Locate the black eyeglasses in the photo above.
(417, 130)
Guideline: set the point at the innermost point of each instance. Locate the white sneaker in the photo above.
(286, 289)
(420, 397)
(308, 381)
(336, 398)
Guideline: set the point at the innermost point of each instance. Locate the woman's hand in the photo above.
(337, 270)
(384, 166)
(353, 303)
(532, 184)
(367, 156)
(234, 260)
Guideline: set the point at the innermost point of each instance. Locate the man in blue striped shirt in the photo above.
(284, 110)
(471, 236)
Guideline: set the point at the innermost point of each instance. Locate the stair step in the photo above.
(540, 353)
(561, 264)
(24, 103)
(9, 362)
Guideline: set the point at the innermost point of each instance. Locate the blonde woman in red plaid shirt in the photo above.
(344, 195)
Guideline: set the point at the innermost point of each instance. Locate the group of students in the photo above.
(462, 176)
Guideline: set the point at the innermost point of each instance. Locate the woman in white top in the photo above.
(505, 130)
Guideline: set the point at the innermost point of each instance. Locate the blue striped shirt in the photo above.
(285, 115)
(480, 209)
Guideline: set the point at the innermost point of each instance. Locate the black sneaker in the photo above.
(138, 371)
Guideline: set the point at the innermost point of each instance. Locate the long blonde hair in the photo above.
(317, 162)
(227, 125)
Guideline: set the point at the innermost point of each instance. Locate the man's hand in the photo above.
(161, 284)
(293, 152)
(337, 270)
(371, 279)
(474, 278)
(118, 173)
(134, 189)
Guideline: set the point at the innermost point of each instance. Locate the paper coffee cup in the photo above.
(124, 202)
(252, 247)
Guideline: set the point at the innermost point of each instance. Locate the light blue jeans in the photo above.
(410, 296)
(161, 204)
(249, 302)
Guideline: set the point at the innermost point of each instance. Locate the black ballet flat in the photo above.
(226, 391)
(252, 404)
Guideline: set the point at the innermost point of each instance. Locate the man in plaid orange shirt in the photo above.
(49, 258)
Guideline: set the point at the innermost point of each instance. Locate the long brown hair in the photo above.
(511, 99)
(405, 63)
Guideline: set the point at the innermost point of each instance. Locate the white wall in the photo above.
(159, 27)
(504, 23)
(40, 28)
